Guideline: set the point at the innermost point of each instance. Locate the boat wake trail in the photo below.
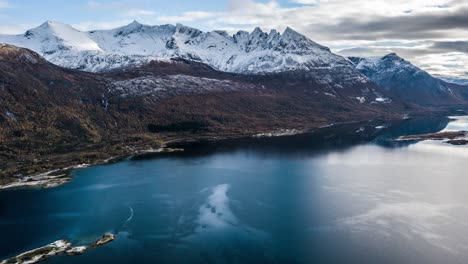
(125, 223)
(131, 214)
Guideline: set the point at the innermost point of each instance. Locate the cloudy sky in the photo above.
(432, 34)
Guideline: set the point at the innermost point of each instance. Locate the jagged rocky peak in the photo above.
(223, 33)
(191, 32)
(135, 28)
(274, 32)
(136, 43)
(292, 34)
(293, 40)
(131, 28)
(288, 41)
(258, 32)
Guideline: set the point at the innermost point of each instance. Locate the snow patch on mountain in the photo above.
(172, 85)
(53, 37)
(395, 73)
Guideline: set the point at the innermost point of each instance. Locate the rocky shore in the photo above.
(57, 248)
(59, 177)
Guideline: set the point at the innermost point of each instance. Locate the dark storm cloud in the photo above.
(409, 26)
(459, 46)
(438, 47)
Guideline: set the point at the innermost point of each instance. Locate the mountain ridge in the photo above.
(407, 81)
(256, 52)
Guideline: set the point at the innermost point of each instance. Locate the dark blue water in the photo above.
(338, 196)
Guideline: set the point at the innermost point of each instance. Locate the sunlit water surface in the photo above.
(379, 201)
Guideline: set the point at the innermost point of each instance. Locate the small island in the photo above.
(57, 248)
(458, 138)
(106, 238)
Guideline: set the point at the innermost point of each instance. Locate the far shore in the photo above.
(60, 176)
(458, 138)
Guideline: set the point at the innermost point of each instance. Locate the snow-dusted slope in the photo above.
(52, 37)
(56, 42)
(403, 79)
(255, 52)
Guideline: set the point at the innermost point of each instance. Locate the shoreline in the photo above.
(58, 177)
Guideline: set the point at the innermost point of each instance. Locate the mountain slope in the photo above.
(54, 117)
(406, 81)
(136, 44)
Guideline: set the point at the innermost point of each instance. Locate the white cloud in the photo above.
(451, 64)
(426, 55)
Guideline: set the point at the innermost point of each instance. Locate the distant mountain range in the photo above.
(243, 52)
(69, 97)
(408, 82)
(257, 52)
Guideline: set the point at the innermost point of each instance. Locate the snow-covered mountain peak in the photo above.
(402, 78)
(390, 62)
(51, 38)
(392, 56)
(135, 23)
(257, 32)
(244, 52)
(291, 33)
(394, 59)
(189, 31)
(133, 27)
(49, 25)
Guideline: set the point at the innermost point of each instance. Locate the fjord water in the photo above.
(340, 197)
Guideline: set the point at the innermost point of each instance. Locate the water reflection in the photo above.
(347, 193)
(458, 123)
(333, 138)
